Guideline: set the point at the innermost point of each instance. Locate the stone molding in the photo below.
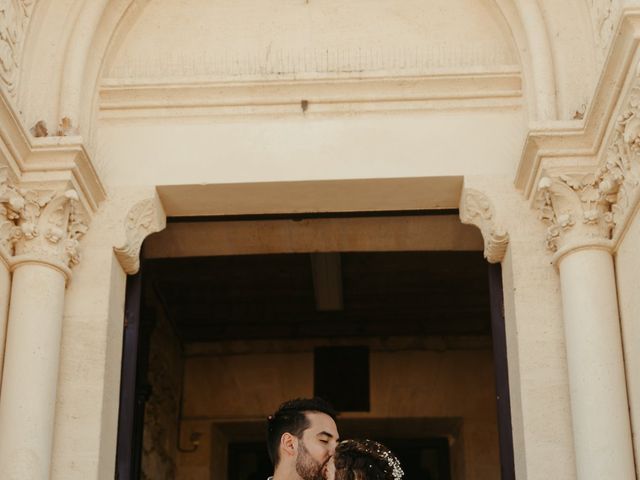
(41, 225)
(476, 209)
(123, 98)
(61, 163)
(14, 21)
(603, 17)
(577, 143)
(144, 218)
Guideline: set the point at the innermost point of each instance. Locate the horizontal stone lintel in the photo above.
(184, 97)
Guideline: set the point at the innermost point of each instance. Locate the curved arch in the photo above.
(112, 20)
(73, 35)
(76, 57)
(99, 22)
(529, 32)
(113, 28)
(543, 77)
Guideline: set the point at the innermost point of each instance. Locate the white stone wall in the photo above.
(126, 93)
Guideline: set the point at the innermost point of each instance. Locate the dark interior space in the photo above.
(278, 296)
(322, 296)
(341, 376)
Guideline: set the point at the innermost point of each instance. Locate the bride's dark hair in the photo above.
(366, 460)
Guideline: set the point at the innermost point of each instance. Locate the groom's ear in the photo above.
(288, 444)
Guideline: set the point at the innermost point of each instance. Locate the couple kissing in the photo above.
(303, 444)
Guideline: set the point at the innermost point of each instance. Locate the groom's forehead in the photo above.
(321, 422)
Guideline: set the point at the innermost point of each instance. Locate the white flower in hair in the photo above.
(377, 452)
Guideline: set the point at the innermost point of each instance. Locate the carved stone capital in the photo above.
(595, 206)
(577, 208)
(40, 224)
(11, 203)
(144, 218)
(476, 209)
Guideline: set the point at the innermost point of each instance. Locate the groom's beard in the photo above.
(306, 467)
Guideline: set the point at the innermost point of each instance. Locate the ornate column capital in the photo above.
(10, 203)
(594, 207)
(43, 226)
(476, 209)
(578, 209)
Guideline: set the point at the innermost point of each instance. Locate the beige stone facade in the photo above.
(522, 114)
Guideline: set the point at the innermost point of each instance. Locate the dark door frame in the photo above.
(500, 361)
(134, 390)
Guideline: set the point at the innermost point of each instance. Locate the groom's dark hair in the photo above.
(291, 418)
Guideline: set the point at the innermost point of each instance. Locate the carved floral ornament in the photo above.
(45, 225)
(144, 218)
(476, 209)
(594, 206)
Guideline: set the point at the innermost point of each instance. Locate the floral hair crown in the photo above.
(377, 452)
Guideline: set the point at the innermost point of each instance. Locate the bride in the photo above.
(363, 460)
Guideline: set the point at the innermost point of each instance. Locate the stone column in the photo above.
(9, 198)
(45, 234)
(578, 210)
(5, 288)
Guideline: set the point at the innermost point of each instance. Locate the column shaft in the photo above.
(27, 404)
(5, 291)
(599, 404)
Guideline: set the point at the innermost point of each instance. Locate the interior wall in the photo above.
(162, 408)
(438, 384)
(628, 278)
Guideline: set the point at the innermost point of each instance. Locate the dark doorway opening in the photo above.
(412, 294)
(249, 461)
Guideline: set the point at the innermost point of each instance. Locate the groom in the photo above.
(301, 438)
